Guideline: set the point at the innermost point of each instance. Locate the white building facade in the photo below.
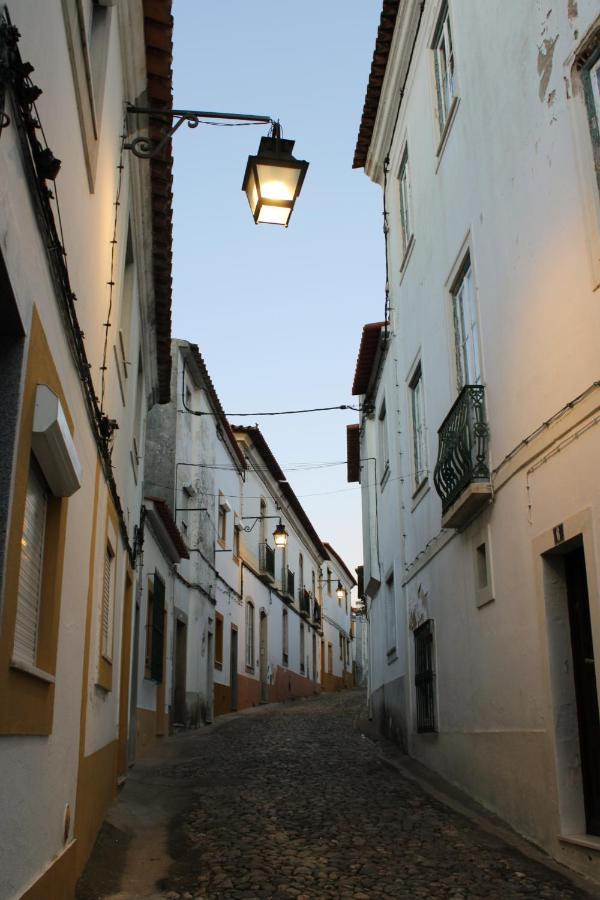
(85, 315)
(337, 583)
(478, 437)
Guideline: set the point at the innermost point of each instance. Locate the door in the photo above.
(264, 660)
(322, 659)
(233, 667)
(134, 681)
(584, 674)
(180, 672)
(314, 656)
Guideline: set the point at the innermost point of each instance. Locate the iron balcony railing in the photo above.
(304, 601)
(463, 446)
(267, 559)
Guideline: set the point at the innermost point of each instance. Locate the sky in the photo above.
(278, 313)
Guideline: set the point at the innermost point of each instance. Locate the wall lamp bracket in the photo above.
(149, 148)
(256, 519)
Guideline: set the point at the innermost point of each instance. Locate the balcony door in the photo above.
(466, 328)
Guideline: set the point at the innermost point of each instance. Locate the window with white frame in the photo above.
(383, 443)
(284, 637)
(390, 614)
(222, 519)
(590, 78)
(237, 528)
(417, 410)
(29, 595)
(406, 231)
(466, 328)
(443, 58)
(300, 572)
(250, 635)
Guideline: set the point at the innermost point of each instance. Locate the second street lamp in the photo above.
(273, 178)
(280, 535)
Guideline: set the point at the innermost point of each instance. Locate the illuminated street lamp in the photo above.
(340, 592)
(273, 178)
(280, 536)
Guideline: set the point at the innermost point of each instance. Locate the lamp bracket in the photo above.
(148, 148)
(255, 520)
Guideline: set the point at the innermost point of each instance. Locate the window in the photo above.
(249, 635)
(390, 615)
(155, 629)
(137, 438)
(30, 571)
(222, 519)
(382, 444)
(236, 538)
(443, 55)
(590, 77)
(302, 645)
(418, 427)
(106, 620)
(424, 676)
(284, 637)
(329, 581)
(300, 572)
(218, 641)
(314, 584)
(330, 658)
(466, 328)
(341, 639)
(406, 232)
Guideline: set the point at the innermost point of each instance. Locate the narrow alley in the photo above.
(292, 800)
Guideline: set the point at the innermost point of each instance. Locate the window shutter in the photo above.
(30, 574)
(106, 603)
(158, 628)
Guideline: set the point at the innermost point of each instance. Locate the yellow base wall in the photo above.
(149, 730)
(58, 881)
(337, 682)
(96, 788)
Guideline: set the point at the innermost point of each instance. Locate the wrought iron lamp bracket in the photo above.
(146, 147)
(255, 520)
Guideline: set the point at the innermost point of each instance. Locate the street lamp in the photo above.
(273, 178)
(280, 536)
(340, 592)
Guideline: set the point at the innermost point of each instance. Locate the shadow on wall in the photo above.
(387, 704)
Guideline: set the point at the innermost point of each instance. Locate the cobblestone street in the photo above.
(293, 802)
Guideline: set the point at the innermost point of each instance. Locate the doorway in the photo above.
(314, 656)
(180, 672)
(233, 668)
(264, 659)
(584, 675)
(322, 659)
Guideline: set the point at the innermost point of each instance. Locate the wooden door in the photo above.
(584, 673)
(180, 672)
(264, 659)
(233, 667)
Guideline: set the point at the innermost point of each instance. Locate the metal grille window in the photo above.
(424, 677)
(383, 444)
(31, 567)
(302, 646)
(250, 635)
(417, 408)
(443, 51)
(405, 214)
(466, 328)
(590, 78)
(107, 610)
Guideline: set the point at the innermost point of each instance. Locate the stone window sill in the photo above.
(446, 131)
(32, 670)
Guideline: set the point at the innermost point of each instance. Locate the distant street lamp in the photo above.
(340, 592)
(273, 178)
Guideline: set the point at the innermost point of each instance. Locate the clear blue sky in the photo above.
(277, 313)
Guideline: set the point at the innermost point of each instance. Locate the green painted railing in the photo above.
(463, 446)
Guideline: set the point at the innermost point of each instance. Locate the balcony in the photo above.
(304, 601)
(316, 614)
(462, 475)
(266, 560)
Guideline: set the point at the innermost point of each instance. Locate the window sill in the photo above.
(392, 656)
(221, 543)
(407, 256)
(446, 131)
(218, 665)
(421, 491)
(588, 841)
(250, 670)
(32, 670)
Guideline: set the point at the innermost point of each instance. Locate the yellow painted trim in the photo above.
(88, 619)
(104, 676)
(27, 702)
(57, 882)
(125, 666)
(96, 788)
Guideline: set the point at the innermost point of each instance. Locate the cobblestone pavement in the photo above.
(293, 802)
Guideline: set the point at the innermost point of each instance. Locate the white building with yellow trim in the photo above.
(84, 281)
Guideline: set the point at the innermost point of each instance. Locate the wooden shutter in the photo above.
(30, 573)
(158, 628)
(105, 625)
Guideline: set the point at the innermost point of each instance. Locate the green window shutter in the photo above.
(158, 629)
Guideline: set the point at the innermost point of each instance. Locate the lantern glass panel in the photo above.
(274, 215)
(277, 182)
